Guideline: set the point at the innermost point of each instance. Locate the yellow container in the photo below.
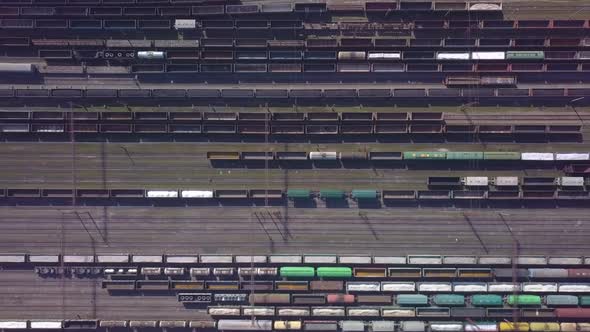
(287, 325)
(510, 326)
(540, 327)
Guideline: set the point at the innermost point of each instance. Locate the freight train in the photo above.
(406, 155)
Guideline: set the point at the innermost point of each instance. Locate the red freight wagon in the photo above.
(578, 273)
(572, 312)
(340, 298)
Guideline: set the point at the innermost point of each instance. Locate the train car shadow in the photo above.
(334, 203)
(443, 203)
(393, 203)
(305, 203)
(369, 204)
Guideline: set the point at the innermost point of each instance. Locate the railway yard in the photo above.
(365, 166)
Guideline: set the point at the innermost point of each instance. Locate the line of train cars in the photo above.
(306, 325)
(570, 159)
(348, 55)
(390, 326)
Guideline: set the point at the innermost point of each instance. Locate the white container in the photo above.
(244, 325)
(151, 271)
(199, 271)
(224, 311)
(320, 259)
(182, 259)
(481, 327)
(196, 194)
(259, 311)
(572, 156)
(151, 55)
(328, 312)
(488, 55)
(146, 259)
(162, 193)
(293, 312)
(174, 271)
(385, 56)
(535, 156)
(354, 259)
(502, 287)
(16, 67)
(217, 259)
(285, 259)
(506, 181)
(185, 24)
(468, 288)
(46, 325)
(398, 286)
(44, 258)
(476, 181)
(452, 56)
(442, 327)
(434, 287)
(223, 271)
(363, 312)
(398, 313)
(12, 325)
(572, 288)
(539, 287)
(571, 181)
(362, 286)
(323, 155)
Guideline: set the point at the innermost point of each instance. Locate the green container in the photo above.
(585, 301)
(562, 300)
(298, 193)
(418, 155)
(331, 194)
(364, 194)
(481, 300)
(524, 300)
(410, 300)
(334, 272)
(525, 55)
(501, 155)
(451, 300)
(464, 155)
(297, 271)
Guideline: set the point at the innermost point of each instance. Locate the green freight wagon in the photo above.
(585, 301)
(298, 193)
(481, 300)
(450, 300)
(331, 194)
(525, 55)
(524, 300)
(297, 271)
(418, 155)
(412, 300)
(364, 194)
(501, 155)
(334, 272)
(562, 300)
(464, 155)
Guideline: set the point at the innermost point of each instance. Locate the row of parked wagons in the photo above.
(406, 326)
(406, 155)
(341, 55)
(306, 325)
(359, 272)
